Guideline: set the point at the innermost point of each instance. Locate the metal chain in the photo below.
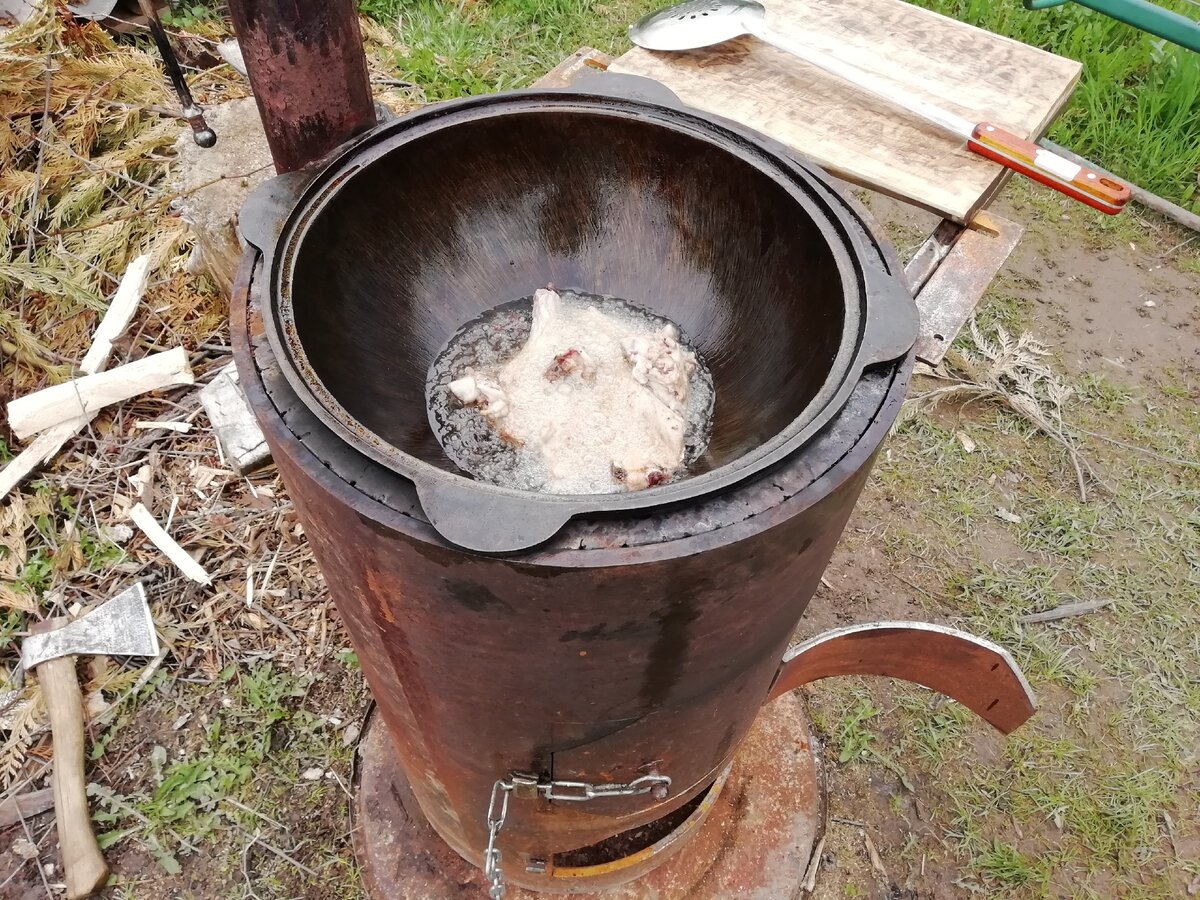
(567, 791)
(491, 856)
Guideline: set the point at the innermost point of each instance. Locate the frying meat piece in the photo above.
(661, 365)
(479, 390)
(570, 362)
(594, 392)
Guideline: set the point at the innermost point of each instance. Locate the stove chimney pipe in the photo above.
(308, 70)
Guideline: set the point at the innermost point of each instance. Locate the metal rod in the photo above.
(201, 133)
(308, 70)
(1142, 15)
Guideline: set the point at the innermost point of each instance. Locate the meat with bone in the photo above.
(481, 391)
(600, 394)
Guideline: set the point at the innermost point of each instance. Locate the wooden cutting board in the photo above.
(851, 133)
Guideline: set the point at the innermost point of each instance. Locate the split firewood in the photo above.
(47, 444)
(118, 315)
(158, 536)
(88, 395)
(44, 447)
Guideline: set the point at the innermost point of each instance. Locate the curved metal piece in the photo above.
(980, 675)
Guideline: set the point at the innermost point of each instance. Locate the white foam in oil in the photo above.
(564, 434)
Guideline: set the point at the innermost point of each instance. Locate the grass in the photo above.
(454, 49)
(1136, 110)
(1083, 801)
(265, 758)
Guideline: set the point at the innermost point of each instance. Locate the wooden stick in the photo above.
(1065, 611)
(144, 520)
(88, 395)
(118, 316)
(84, 867)
(24, 806)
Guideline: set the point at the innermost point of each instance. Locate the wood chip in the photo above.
(164, 542)
(876, 862)
(814, 863)
(24, 848)
(1011, 517)
(1065, 611)
(88, 395)
(231, 51)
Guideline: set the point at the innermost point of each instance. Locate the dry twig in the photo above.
(1012, 373)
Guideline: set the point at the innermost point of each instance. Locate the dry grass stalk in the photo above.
(1012, 373)
(73, 167)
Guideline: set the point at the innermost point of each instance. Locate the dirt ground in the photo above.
(233, 780)
(1115, 314)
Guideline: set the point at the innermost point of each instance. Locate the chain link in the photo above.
(580, 790)
(495, 821)
(566, 791)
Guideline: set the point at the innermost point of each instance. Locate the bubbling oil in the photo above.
(491, 340)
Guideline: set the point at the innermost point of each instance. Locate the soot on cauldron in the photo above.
(571, 393)
(426, 224)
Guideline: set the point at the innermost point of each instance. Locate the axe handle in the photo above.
(84, 868)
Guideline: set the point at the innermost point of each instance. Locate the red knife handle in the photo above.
(1096, 189)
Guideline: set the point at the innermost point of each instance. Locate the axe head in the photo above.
(118, 627)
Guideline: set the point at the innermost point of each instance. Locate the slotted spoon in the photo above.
(705, 23)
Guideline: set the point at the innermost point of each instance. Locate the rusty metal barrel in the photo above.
(632, 645)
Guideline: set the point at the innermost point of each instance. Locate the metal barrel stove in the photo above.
(592, 663)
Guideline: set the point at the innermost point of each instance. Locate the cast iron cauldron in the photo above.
(640, 635)
(429, 221)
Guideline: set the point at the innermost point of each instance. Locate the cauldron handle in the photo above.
(623, 86)
(476, 518)
(892, 318)
(980, 675)
(261, 218)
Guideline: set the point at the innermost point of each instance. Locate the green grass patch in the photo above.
(454, 49)
(1078, 801)
(1136, 110)
(1003, 864)
(244, 778)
